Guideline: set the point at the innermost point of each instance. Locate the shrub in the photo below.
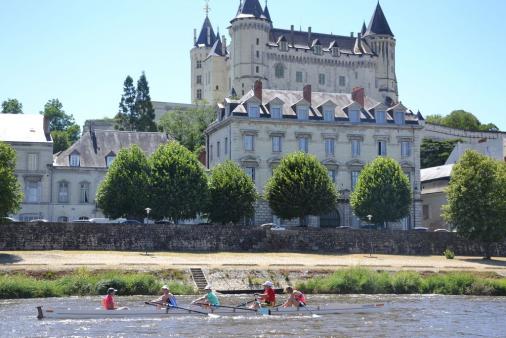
(406, 282)
(449, 254)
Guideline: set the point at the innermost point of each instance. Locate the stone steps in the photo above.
(198, 278)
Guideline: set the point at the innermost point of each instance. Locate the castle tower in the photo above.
(250, 34)
(381, 40)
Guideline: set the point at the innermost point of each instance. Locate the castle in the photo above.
(287, 59)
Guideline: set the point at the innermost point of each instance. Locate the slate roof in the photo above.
(436, 173)
(93, 147)
(251, 9)
(267, 14)
(488, 149)
(24, 128)
(202, 40)
(379, 23)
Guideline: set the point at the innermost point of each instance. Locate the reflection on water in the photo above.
(406, 316)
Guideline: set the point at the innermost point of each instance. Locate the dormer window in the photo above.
(335, 51)
(380, 117)
(253, 110)
(283, 46)
(75, 160)
(317, 49)
(399, 117)
(354, 116)
(276, 112)
(302, 112)
(109, 159)
(328, 114)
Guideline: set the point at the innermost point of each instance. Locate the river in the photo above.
(405, 316)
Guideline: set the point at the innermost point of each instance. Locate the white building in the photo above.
(343, 131)
(288, 59)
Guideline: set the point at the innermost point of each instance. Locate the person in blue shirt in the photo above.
(166, 298)
(210, 299)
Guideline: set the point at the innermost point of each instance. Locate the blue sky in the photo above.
(449, 52)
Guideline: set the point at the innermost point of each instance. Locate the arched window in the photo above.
(279, 71)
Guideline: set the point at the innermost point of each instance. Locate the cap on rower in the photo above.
(111, 290)
(208, 287)
(268, 284)
(165, 287)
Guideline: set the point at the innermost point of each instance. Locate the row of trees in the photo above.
(461, 119)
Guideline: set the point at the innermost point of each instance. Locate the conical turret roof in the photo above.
(364, 29)
(203, 36)
(267, 14)
(251, 9)
(378, 24)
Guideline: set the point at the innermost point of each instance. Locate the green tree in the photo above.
(461, 119)
(144, 106)
(10, 191)
(232, 194)
(187, 126)
(178, 183)
(383, 191)
(124, 192)
(434, 153)
(477, 199)
(64, 130)
(12, 106)
(127, 115)
(300, 186)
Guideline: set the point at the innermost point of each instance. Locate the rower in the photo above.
(268, 298)
(108, 300)
(166, 299)
(296, 298)
(210, 299)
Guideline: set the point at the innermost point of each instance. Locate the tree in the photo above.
(461, 119)
(124, 192)
(477, 199)
(64, 130)
(187, 126)
(434, 153)
(232, 194)
(10, 191)
(144, 107)
(383, 191)
(127, 115)
(300, 186)
(178, 183)
(12, 106)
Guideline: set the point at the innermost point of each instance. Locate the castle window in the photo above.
(218, 149)
(253, 110)
(317, 49)
(354, 116)
(199, 64)
(298, 77)
(249, 142)
(33, 190)
(321, 79)
(302, 112)
(354, 179)
(258, 41)
(342, 81)
(257, 69)
(382, 148)
(33, 162)
(283, 45)
(276, 112)
(109, 159)
(217, 87)
(211, 152)
(276, 144)
(380, 117)
(332, 175)
(226, 146)
(335, 51)
(199, 79)
(258, 54)
(279, 71)
(399, 117)
(250, 171)
(199, 94)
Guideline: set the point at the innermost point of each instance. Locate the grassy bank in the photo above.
(83, 282)
(362, 280)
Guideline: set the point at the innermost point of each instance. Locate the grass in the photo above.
(362, 280)
(83, 282)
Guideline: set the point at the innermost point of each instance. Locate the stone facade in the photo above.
(288, 59)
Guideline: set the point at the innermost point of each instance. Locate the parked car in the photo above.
(130, 221)
(81, 221)
(162, 221)
(100, 220)
(7, 220)
(344, 227)
(39, 220)
(421, 229)
(441, 230)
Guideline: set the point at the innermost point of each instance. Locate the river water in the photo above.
(405, 316)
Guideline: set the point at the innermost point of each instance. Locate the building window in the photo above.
(257, 69)
(62, 219)
(32, 190)
(258, 54)
(218, 149)
(321, 79)
(329, 146)
(298, 77)
(399, 117)
(317, 49)
(328, 114)
(199, 94)
(342, 81)
(75, 160)
(283, 46)
(279, 71)
(276, 112)
(335, 51)
(199, 79)
(63, 192)
(382, 148)
(304, 144)
(253, 110)
(276, 144)
(425, 211)
(249, 142)
(211, 152)
(199, 64)
(354, 179)
(33, 162)
(380, 117)
(354, 116)
(109, 159)
(258, 41)
(332, 175)
(405, 148)
(250, 171)
(84, 192)
(302, 112)
(355, 148)
(226, 146)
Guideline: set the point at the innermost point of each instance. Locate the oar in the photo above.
(243, 304)
(186, 309)
(314, 315)
(236, 308)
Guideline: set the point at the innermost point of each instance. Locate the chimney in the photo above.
(292, 41)
(358, 95)
(224, 45)
(306, 93)
(194, 36)
(208, 36)
(309, 36)
(258, 90)
(351, 34)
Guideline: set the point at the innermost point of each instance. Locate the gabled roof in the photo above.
(202, 40)
(378, 24)
(24, 128)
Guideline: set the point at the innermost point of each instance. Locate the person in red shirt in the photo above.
(268, 298)
(295, 299)
(108, 300)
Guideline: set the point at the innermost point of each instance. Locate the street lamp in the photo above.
(148, 210)
(369, 217)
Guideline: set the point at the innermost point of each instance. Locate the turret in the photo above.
(250, 34)
(380, 38)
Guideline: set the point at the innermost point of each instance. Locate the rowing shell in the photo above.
(153, 312)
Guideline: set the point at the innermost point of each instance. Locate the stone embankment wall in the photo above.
(198, 238)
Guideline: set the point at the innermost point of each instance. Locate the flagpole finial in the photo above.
(207, 9)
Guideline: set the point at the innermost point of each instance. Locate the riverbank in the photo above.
(355, 280)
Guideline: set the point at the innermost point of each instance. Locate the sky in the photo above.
(450, 53)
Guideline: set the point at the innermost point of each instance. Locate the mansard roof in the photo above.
(202, 40)
(379, 24)
(93, 147)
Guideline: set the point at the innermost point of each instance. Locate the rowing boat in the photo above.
(154, 312)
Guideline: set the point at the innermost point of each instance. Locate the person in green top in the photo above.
(210, 299)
